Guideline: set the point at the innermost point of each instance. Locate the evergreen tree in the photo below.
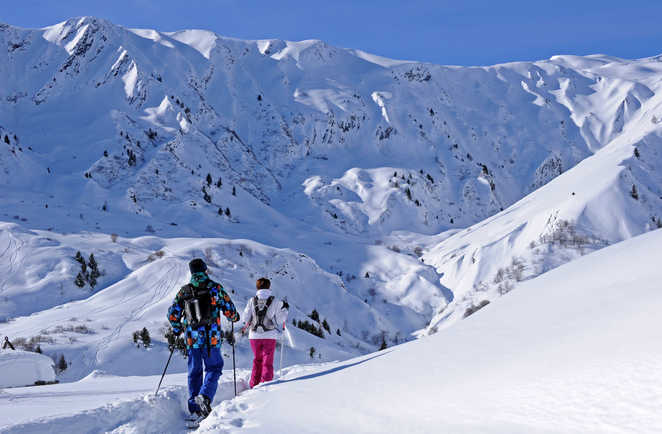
(326, 326)
(95, 272)
(383, 346)
(311, 328)
(132, 157)
(79, 257)
(312, 352)
(92, 262)
(206, 195)
(228, 336)
(38, 349)
(315, 316)
(80, 280)
(234, 191)
(62, 364)
(227, 212)
(338, 332)
(208, 179)
(219, 183)
(176, 342)
(144, 336)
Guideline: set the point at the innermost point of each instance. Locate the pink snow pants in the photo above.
(263, 363)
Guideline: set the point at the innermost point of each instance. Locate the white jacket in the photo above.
(275, 313)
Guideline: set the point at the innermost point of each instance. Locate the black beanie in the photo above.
(197, 265)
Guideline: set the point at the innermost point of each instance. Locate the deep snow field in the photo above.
(496, 228)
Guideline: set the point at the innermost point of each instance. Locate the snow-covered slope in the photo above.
(142, 277)
(610, 196)
(570, 352)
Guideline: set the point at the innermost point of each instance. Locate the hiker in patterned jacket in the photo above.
(197, 311)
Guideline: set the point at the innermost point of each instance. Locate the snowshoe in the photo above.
(204, 404)
(194, 421)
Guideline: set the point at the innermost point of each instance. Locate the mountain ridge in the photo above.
(381, 171)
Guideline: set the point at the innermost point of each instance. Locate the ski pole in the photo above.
(282, 344)
(234, 365)
(164, 370)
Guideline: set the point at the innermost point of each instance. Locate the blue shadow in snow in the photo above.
(331, 371)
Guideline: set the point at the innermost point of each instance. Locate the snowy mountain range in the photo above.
(585, 362)
(392, 197)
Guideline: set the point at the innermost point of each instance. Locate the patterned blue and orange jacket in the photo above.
(209, 336)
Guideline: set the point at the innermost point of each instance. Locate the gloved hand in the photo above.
(285, 305)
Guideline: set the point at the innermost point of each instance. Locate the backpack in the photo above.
(197, 306)
(260, 308)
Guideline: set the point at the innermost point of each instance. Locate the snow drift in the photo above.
(23, 368)
(569, 352)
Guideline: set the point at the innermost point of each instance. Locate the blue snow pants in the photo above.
(213, 367)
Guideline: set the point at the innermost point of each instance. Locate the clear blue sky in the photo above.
(459, 32)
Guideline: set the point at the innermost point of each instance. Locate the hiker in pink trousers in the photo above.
(264, 316)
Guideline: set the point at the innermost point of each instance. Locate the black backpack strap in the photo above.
(261, 314)
(256, 314)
